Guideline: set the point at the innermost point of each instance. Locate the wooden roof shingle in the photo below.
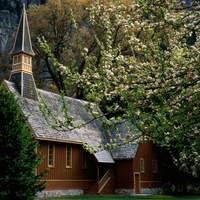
(126, 150)
(92, 133)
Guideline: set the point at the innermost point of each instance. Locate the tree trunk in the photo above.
(79, 93)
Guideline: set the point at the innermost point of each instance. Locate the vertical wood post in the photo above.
(97, 177)
(133, 175)
(36, 170)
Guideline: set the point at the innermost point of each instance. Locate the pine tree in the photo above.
(18, 157)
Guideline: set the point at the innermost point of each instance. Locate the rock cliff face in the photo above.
(10, 11)
(7, 24)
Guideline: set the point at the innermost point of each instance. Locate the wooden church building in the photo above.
(73, 171)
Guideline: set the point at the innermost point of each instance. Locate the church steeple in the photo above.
(23, 40)
(22, 52)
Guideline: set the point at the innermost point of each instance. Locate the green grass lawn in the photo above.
(121, 197)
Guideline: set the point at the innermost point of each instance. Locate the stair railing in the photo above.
(109, 174)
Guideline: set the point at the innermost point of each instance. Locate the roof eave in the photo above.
(15, 53)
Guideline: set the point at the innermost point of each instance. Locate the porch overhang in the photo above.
(104, 157)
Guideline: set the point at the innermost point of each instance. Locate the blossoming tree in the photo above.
(53, 20)
(158, 80)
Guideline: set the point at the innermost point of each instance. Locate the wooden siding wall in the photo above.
(124, 174)
(109, 187)
(148, 152)
(66, 185)
(59, 176)
(125, 169)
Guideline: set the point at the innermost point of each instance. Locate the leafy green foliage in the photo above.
(18, 159)
(161, 90)
(5, 65)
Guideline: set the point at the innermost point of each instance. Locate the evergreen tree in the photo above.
(18, 157)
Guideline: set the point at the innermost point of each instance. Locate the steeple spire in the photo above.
(22, 52)
(23, 39)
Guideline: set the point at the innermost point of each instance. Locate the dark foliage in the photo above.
(18, 159)
(174, 180)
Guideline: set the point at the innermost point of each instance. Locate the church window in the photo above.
(51, 156)
(68, 156)
(19, 59)
(15, 59)
(84, 159)
(29, 60)
(142, 165)
(154, 166)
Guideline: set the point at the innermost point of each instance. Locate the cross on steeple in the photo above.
(22, 52)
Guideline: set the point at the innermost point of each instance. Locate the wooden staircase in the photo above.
(105, 179)
(97, 188)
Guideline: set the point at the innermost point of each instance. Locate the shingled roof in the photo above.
(92, 133)
(126, 150)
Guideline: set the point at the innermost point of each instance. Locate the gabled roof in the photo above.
(126, 150)
(92, 133)
(22, 39)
